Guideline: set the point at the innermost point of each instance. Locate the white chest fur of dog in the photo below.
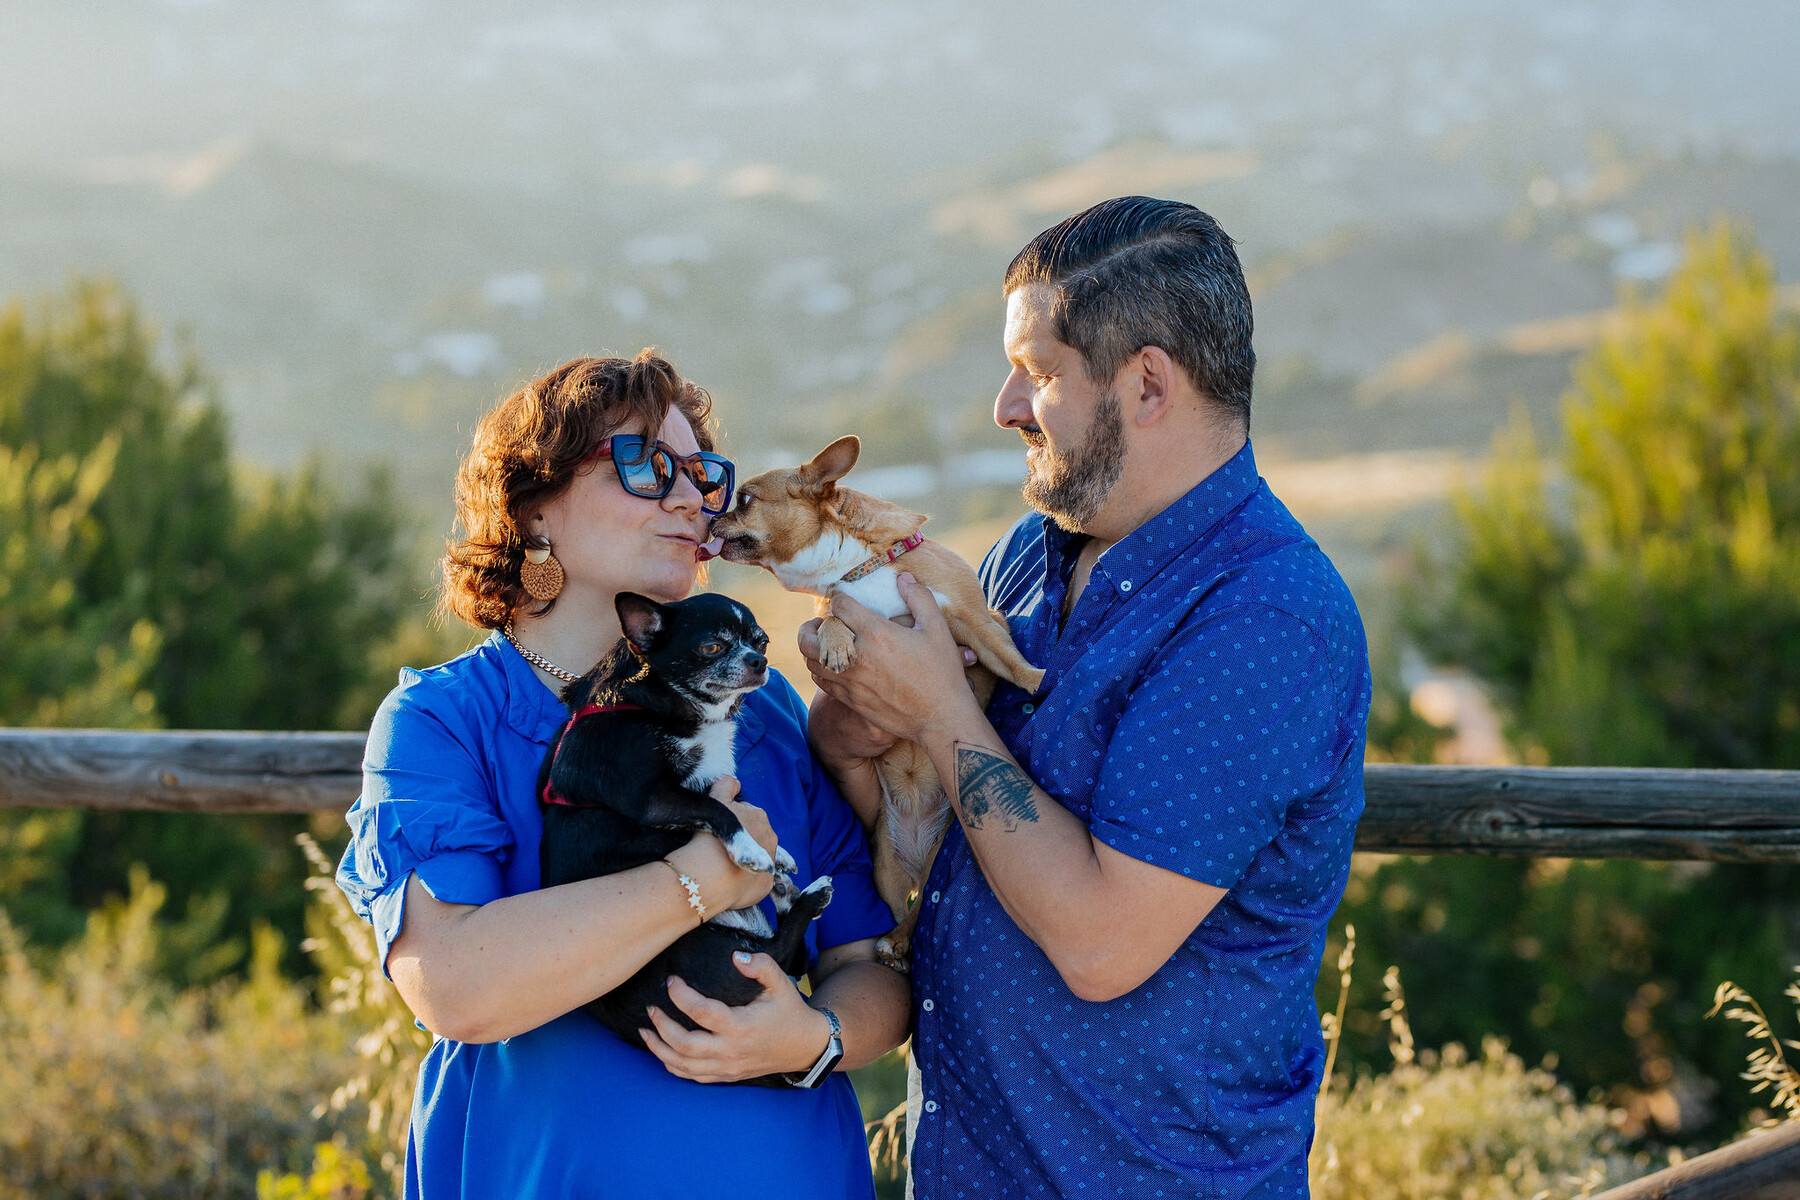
(819, 570)
(714, 749)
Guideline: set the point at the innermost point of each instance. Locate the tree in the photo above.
(150, 582)
(1653, 618)
(1638, 605)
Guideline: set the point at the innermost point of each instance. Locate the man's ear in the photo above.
(834, 462)
(1156, 372)
(641, 618)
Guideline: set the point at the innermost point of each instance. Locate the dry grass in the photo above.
(1770, 1071)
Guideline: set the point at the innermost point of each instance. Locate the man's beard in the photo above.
(1070, 488)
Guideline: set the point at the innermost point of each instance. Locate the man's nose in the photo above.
(1012, 407)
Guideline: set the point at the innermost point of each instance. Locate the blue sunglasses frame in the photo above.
(649, 469)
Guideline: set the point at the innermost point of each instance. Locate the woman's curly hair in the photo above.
(528, 449)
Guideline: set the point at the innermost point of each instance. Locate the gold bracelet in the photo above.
(693, 889)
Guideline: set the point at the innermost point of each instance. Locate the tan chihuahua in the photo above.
(819, 538)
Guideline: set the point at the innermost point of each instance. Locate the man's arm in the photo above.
(1106, 921)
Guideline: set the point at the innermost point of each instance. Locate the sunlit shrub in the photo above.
(378, 1083)
(336, 1175)
(1445, 1126)
(112, 1083)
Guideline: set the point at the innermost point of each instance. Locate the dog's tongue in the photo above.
(708, 550)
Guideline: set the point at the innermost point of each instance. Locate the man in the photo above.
(1115, 957)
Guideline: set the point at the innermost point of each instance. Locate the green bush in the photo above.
(1445, 1126)
(115, 1084)
(148, 579)
(1450, 1127)
(1631, 597)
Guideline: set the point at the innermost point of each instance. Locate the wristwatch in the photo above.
(828, 1061)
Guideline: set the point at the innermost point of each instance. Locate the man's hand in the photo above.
(904, 679)
(840, 736)
(776, 1033)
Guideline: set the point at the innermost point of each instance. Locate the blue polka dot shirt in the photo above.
(1204, 710)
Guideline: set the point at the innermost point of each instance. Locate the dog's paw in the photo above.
(748, 854)
(783, 892)
(837, 646)
(784, 862)
(894, 953)
(838, 659)
(820, 889)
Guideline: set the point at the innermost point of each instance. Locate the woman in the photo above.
(522, 1094)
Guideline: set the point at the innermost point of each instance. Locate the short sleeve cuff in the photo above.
(459, 877)
(1212, 859)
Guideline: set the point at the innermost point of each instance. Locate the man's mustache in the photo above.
(1033, 435)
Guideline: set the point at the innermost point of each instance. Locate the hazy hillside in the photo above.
(372, 217)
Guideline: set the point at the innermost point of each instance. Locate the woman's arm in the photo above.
(872, 1003)
(479, 973)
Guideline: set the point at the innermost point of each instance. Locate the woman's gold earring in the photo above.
(541, 574)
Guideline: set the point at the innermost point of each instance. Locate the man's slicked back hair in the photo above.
(1136, 272)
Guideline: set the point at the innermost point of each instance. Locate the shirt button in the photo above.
(931, 1106)
(1124, 585)
(1028, 709)
(934, 897)
(928, 1006)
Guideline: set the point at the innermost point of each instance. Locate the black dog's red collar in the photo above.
(547, 795)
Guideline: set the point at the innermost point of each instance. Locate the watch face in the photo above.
(821, 1070)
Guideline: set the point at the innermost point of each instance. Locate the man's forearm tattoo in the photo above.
(989, 787)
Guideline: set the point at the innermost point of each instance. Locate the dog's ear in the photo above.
(833, 462)
(641, 618)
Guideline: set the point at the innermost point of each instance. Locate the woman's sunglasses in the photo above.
(649, 469)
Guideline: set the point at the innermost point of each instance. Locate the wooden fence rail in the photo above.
(1763, 1167)
(1560, 812)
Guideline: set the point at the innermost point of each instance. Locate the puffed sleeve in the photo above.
(837, 846)
(426, 808)
(1243, 714)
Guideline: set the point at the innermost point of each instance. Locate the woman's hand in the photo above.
(723, 884)
(777, 1033)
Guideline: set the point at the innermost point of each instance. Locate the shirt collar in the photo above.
(1141, 555)
(531, 707)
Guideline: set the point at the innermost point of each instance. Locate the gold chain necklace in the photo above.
(538, 660)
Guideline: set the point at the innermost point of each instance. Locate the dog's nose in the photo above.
(756, 662)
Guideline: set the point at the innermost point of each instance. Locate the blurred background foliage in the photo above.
(1629, 597)
(1627, 590)
(148, 580)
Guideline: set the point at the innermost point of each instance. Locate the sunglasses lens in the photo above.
(648, 469)
(643, 468)
(712, 476)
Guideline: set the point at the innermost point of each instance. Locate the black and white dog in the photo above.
(626, 782)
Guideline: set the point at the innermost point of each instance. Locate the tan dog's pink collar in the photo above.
(881, 560)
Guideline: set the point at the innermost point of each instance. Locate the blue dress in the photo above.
(569, 1109)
